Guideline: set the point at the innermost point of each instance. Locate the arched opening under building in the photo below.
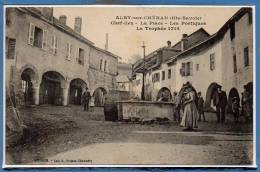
(164, 94)
(209, 95)
(28, 76)
(77, 87)
(51, 91)
(99, 95)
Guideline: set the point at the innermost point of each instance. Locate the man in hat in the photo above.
(235, 108)
(220, 101)
(247, 103)
(201, 107)
(85, 99)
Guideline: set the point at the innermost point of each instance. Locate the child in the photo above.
(201, 107)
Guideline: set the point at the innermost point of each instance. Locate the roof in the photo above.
(193, 38)
(122, 79)
(215, 37)
(55, 22)
(151, 59)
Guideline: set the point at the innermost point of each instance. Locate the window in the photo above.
(68, 51)
(101, 64)
(232, 31)
(10, 48)
(54, 48)
(246, 58)
(197, 67)
(163, 75)
(186, 69)
(235, 63)
(105, 65)
(80, 58)
(212, 61)
(169, 73)
(156, 77)
(37, 37)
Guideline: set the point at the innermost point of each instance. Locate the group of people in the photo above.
(189, 107)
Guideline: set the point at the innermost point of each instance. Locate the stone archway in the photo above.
(52, 88)
(28, 81)
(164, 94)
(209, 95)
(76, 89)
(99, 95)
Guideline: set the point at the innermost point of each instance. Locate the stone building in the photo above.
(224, 58)
(51, 63)
(123, 79)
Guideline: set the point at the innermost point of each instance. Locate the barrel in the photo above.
(110, 105)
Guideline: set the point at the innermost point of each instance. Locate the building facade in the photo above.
(224, 58)
(51, 63)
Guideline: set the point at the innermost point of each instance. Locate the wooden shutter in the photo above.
(44, 39)
(11, 48)
(191, 68)
(55, 45)
(31, 34)
(70, 52)
(67, 51)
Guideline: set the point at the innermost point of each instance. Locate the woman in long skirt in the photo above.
(190, 114)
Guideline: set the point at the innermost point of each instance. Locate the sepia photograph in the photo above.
(129, 86)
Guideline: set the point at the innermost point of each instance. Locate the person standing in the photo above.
(85, 99)
(220, 101)
(247, 104)
(201, 107)
(190, 114)
(235, 109)
(176, 111)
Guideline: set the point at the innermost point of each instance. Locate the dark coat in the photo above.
(86, 97)
(220, 99)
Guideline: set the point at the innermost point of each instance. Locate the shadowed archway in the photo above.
(98, 95)
(164, 94)
(76, 90)
(51, 88)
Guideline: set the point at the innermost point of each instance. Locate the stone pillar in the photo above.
(36, 95)
(65, 93)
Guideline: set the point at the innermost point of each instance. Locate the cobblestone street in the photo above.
(67, 135)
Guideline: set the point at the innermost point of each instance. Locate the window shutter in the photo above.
(11, 49)
(191, 68)
(182, 69)
(31, 34)
(44, 39)
(56, 45)
(77, 54)
(70, 52)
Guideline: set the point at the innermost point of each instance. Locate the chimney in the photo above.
(47, 12)
(106, 45)
(169, 44)
(184, 42)
(63, 19)
(77, 25)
